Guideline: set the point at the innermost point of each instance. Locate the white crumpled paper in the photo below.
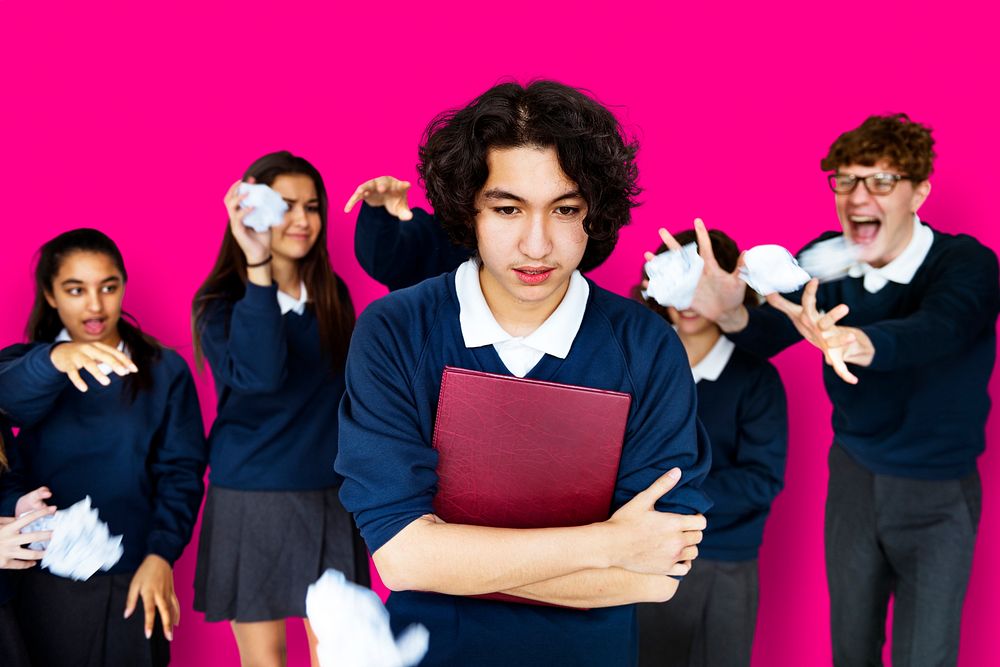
(268, 207)
(771, 268)
(673, 277)
(352, 626)
(81, 543)
(830, 259)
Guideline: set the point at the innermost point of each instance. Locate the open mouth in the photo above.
(533, 275)
(864, 228)
(95, 326)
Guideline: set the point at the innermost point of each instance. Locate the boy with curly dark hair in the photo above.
(537, 180)
(909, 340)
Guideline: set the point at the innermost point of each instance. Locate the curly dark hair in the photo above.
(591, 144)
(906, 145)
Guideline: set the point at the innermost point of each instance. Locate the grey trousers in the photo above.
(912, 539)
(709, 622)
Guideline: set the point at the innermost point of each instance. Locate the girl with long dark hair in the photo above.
(104, 411)
(273, 321)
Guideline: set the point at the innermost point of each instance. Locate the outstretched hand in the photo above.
(383, 191)
(719, 295)
(840, 345)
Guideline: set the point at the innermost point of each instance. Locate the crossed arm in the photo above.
(618, 561)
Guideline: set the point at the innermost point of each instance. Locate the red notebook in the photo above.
(517, 453)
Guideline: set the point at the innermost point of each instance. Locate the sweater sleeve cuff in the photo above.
(885, 348)
(260, 298)
(165, 547)
(38, 363)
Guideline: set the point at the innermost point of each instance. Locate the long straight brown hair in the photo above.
(330, 299)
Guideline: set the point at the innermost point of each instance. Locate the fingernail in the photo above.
(675, 473)
(149, 633)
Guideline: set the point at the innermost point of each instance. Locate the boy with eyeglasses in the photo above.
(909, 340)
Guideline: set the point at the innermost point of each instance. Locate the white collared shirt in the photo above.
(902, 269)
(519, 354)
(64, 337)
(712, 365)
(289, 304)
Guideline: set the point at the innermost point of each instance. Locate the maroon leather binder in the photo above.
(517, 453)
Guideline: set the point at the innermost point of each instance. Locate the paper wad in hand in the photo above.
(352, 627)
(81, 543)
(268, 207)
(673, 276)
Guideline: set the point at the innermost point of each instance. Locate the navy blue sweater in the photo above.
(141, 462)
(399, 254)
(276, 428)
(745, 414)
(6, 578)
(919, 410)
(400, 347)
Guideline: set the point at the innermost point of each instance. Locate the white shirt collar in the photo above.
(64, 337)
(289, 304)
(902, 269)
(556, 334)
(711, 367)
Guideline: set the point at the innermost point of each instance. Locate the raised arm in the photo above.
(33, 375)
(396, 245)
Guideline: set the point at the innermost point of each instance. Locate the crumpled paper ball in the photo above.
(268, 207)
(81, 543)
(673, 277)
(771, 268)
(830, 259)
(352, 627)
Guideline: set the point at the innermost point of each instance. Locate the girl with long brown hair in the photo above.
(273, 321)
(104, 411)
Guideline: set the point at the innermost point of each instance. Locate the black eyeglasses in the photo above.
(876, 184)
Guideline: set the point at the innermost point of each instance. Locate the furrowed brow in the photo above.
(495, 194)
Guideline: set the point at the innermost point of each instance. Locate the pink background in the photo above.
(136, 117)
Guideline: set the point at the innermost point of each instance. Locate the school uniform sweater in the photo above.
(401, 253)
(140, 461)
(401, 345)
(744, 411)
(6, 578)
(276, 428)
(919, 410)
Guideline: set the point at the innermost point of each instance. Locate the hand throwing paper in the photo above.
(771, 268)
(81, 543)
(268, 207)
(830, 259)
(673, 276)
(352, 627)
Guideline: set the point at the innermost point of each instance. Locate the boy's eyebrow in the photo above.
(574, 194)
(494, 194)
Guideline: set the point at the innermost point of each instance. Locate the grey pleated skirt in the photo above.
(259, 551)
